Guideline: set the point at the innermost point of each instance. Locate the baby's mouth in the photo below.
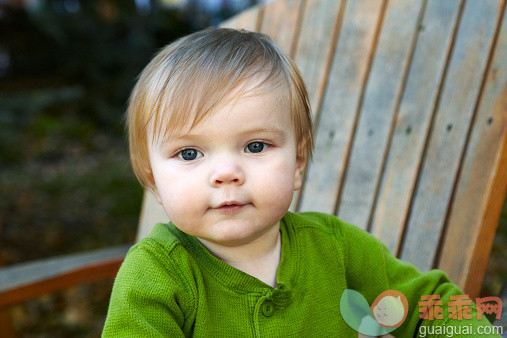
(230, 207)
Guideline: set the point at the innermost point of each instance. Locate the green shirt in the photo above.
(170, 285)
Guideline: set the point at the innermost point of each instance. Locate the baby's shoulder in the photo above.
(162, 251)
(327, 224)
(317, 221)
(164, 237)
(155, 271)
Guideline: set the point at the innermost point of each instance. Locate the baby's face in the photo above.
(231, 178)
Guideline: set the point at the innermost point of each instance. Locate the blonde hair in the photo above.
(196, 74)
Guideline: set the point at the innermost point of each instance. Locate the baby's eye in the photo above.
(256, 147)
(189, 154)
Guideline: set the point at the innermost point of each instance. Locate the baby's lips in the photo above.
(230, 203)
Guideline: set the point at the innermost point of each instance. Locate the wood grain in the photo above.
(249, 19)
(340, 105)
(483, 181)
(384, 87)
(322, 19)
(24, 281)
(281, 21)
(315, 45)
(449, 132)
(151, 213)
(412, 124)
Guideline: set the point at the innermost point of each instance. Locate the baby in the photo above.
(220, 130)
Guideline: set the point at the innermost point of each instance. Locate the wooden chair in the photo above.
(410, 103)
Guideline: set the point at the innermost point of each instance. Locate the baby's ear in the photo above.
(153, 187)
(157, 196)
(301, 160)
(300, 169)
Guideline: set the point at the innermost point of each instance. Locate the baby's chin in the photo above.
(229, 242)
(233, 237)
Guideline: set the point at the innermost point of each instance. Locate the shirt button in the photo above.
(268, 308)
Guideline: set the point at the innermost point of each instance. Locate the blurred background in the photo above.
(66, 70)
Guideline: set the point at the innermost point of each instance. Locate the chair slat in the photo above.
(384, 87)
(280, 21)
(249, 19)
(28, 280)
(340, 105)
(413, 121)
(151, 214)
(314, 46)
(481, 187)
(449, 132)
(312, 55)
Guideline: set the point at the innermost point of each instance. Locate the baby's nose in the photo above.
(227, 173)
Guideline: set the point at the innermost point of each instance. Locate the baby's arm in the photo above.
(146, 300)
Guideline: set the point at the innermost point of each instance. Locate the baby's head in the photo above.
(193, 76)
(220, 129)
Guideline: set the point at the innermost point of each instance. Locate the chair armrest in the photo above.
(24, 281)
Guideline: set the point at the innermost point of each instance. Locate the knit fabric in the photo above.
(170, 285)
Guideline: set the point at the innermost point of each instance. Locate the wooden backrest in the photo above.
(410, 103)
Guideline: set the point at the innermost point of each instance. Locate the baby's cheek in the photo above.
(180, 200)
(278, 191)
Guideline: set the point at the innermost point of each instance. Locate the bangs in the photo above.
(194, 82)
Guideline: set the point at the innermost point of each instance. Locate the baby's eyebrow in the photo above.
(176, 140)
(266, 130)
(251, 132)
